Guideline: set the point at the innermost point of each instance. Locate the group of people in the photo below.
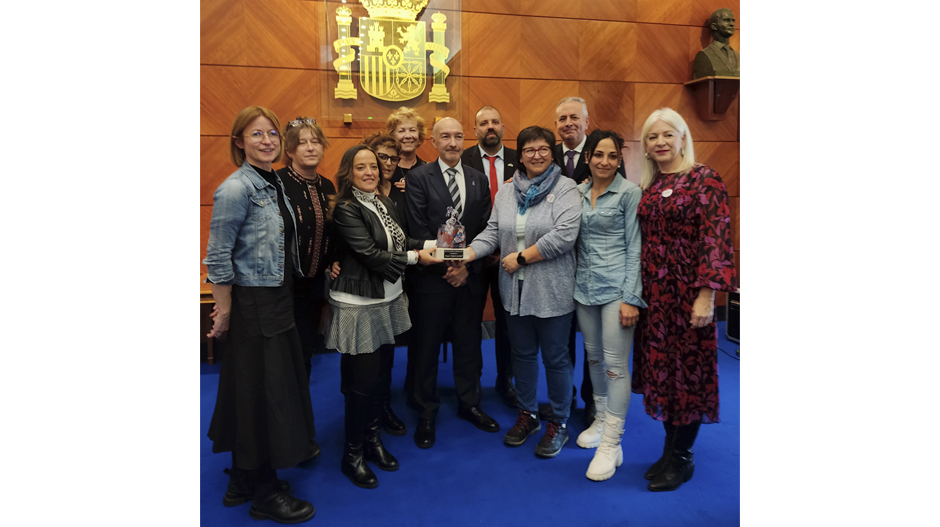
(557, 234)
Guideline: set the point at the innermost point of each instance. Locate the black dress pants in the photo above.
(434, 306)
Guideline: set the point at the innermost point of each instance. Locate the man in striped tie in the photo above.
(446, 300)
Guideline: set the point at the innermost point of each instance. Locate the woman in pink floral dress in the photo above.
(686, 257)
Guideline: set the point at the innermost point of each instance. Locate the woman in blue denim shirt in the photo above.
(262, 414)
(607, 294)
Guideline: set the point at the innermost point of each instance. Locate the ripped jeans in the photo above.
(607, 349)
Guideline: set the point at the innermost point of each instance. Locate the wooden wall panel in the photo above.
(549, 50)
(283, 33)
(662, 53)
(492, 44)
(724, 158)
(610, 106)
(214, 166)
(651, 97)
(622, 10)
(663, 11)
(598, 59)
(539, 99)
(724, 130)
(228, 89)
(222, 32)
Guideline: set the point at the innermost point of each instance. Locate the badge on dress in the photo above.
(667, 193)
(550, 198)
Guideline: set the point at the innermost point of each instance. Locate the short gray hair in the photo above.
(573, 99)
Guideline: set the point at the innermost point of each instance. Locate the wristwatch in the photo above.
(520, 259)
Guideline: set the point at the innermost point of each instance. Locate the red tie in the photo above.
(494, 183)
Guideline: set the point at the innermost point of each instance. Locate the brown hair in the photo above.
(244, 117)
(292, 136)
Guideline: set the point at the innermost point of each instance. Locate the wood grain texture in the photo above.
(724, 130)
(610, 105)
(214, 166)
(222, 32)
(283, 33)
(621, 10)
(662, 53)
(549, 49)
(492, 45)
(607, 51)
(539, 99)
(632, 155)
(651, 97)
(228, 89)
(723, 158)
(663, 11)
(700, 10)
(502, 94)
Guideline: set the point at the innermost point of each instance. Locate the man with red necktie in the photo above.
(499, 164)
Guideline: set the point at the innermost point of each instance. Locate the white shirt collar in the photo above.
(444, 167)
(564, 147)
(501, 154)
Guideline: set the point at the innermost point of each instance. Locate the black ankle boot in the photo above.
(355, 468)
(374, 451)
(393, 425)
(680, 465)
(657, 467)
(353, 464)
(281, 507)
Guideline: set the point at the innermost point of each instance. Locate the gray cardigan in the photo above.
(552, 225)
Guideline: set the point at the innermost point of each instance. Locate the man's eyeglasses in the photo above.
(383, 158)
(258, 136)
(530, 152)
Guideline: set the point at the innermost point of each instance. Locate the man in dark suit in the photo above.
(443, 295)
(571, 119)
(498, 163)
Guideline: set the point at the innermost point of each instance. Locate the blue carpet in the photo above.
(470, 478)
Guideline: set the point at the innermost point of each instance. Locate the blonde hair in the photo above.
(648, 166)
(404, 113)
(291, 137)
(244, 117)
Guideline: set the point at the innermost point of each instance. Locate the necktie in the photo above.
(454, 191)
(570, 166)
(494, 178)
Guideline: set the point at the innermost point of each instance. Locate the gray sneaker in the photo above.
(556, 435)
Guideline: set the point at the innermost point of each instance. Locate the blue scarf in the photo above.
(529, 192)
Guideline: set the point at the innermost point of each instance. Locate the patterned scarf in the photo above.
(398, 237)
(529, 192)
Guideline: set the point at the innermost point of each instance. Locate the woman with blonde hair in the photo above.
(263, 414)
(686, 256)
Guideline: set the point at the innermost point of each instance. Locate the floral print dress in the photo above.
(685, 224)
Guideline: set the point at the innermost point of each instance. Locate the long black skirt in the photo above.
(263, 410)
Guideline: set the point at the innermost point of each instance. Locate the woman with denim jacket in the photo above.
(263, 414)
(607, 294)
(368, 307)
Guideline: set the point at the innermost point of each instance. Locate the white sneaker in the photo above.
(591, 437)
(609, 453)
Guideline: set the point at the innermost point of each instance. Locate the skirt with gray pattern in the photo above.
(356, 329)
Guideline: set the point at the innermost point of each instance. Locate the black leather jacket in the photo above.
(364, 261)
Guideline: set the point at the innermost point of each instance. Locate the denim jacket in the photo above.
(609, 246)
(246, 235)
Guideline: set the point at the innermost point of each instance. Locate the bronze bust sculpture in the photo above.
(718, 58)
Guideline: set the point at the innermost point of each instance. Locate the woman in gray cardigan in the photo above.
(535, 222)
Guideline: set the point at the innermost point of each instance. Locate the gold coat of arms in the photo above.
(392, 49)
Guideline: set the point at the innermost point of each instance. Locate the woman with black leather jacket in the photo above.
(368, 305)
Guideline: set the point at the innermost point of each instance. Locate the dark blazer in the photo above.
(427, 199)
(581, 169)
(364, 260)
(472, 157)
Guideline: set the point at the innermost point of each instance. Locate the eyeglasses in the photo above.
(383, 158)
(301, 120)
(530, 152)
(257, 136)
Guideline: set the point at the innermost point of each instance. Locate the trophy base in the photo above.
(448, 253)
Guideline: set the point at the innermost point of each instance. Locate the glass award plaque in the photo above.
(451, 238)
